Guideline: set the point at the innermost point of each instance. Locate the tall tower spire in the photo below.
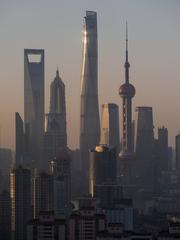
(127, 65)
(127, 92)
(126, 157)
(57, 72)
(126, 41)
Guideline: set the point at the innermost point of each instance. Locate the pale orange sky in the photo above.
(56, 26)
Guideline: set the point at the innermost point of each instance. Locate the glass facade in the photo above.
(34, 102)
(89, 118)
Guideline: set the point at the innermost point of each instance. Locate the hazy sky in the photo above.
(56, 26)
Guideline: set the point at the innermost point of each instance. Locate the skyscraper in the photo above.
(5, 215)
(43, 193)
(20, 193)
(89, 112)
(34, 102)
(6, 161)
(164, 163)
(85, 223)
(60, 168)
(46, 226)
(20, 144)
(56, 135)
(110, 125)
(127, 92)
(144, 147)
(177, 152)
(102, 167)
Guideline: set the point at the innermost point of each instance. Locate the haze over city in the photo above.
(89, 120)
(56, 26)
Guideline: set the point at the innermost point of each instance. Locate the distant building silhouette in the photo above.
(110, 126)
(56, 132)
(5, 215)
(19, 139)
(170, 157)
(107, 193)
(89, 112)
(178, 152)
(102, 167)
(85, 224)
(6, 162)
(164, 164)
(144, 147)
(20, 193)
(43, 193)
(60, 168)
(34, 103)
(46, 226)
(118, 211)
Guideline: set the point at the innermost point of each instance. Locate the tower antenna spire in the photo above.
(57, 71)
(126, 36)
(127, 92)
(127, 65)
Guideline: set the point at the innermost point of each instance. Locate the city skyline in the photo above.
(154, 59)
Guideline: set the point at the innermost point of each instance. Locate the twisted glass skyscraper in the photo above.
(89, 118)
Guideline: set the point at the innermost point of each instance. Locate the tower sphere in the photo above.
(127, 90)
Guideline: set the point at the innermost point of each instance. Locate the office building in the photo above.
(34, 103)
(102, 168)
(110, 126)
(107, 193)
(85, 223)
(89, 110)
(164, 164)
(20, 193)
(144, 147)
(115, 232)
(46, 226)
(5, 215)
(1, 181)
(56, 135)
(170, 157)
(121, 212)
(60, 168)
(43, 193)
(20, 139)
(76, 178)
(126, 157)
(177, 152)
(6, 162)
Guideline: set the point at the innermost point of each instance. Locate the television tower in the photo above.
(127, 92)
